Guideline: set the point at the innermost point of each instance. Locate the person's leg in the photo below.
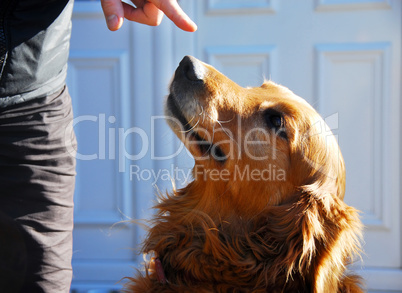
(37, 174)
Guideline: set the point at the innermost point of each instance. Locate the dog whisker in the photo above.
(192, 127)
(227, 121)
(202, 111)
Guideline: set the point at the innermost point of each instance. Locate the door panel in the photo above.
(343, 56)
(110, 135)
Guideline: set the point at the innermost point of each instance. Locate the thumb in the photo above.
(114, 13)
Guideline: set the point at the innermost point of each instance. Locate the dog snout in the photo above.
(192, 69)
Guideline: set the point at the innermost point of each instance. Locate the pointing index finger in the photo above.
(174, 12)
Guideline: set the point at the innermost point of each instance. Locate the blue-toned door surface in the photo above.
(343, 56)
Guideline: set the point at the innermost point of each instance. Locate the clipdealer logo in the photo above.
(116, 143)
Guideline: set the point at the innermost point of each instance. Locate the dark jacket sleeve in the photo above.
(34, 46)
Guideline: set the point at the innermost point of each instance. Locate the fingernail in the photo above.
(193, 26)
(112, 22)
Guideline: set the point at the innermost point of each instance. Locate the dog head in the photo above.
(265, 210)
(253, 147)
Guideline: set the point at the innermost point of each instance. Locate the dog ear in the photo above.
(320, 235)
(337, 233)
(331, 230)
(316, 157)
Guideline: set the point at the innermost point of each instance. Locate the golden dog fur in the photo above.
(235, 228)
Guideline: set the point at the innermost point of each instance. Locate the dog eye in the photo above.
(275, 121)
(218, 154)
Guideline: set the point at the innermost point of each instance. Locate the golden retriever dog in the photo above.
(265, 211)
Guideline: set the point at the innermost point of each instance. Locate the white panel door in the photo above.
(344, 57)
(111, 81)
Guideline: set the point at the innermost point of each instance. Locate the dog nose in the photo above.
(192, 68)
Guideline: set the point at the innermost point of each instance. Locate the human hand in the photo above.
(147, 12)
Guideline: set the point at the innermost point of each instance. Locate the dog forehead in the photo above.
(272, 95)
(274, 90)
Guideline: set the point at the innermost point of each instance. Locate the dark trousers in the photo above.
(37, 174)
